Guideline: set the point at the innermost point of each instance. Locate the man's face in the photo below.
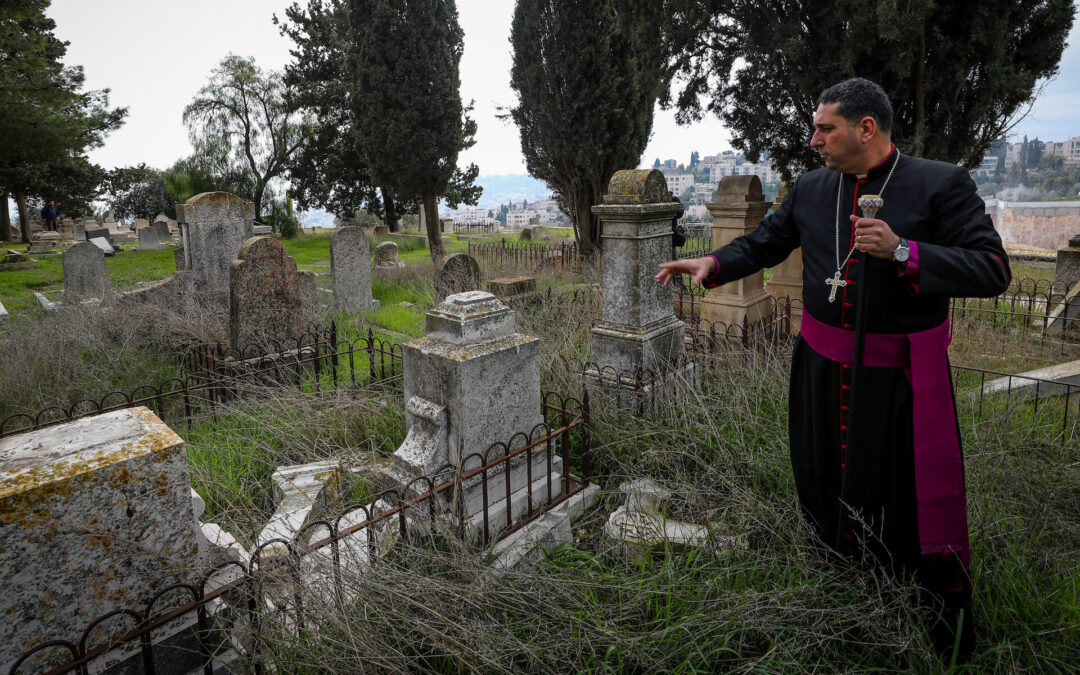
(835, 140)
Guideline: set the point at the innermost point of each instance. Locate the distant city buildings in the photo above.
(1068, 151)
(519, 214)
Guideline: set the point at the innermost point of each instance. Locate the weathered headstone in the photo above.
(150, 239)
(446, 225)
(214, 226)
(381, 230)
(78, 231)
(103, 244)
(386, 254)
(638, 330)
(161, 218)
(514, 291)
(162, 228)
(459, 273)
(737, 207)
(141, 223)
(350, 267)
(469, 382)
(265, 295)
(86, 276)
(95, 514)
(526, 234)
(1067, 269)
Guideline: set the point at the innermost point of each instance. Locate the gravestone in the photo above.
(161, 218)
(78, 231)
(386, 254)
(214, 225)
(381, 230)
(141, 223)
(264, 300)
(86, 276)
(514, 291)
(350, 269)
(458, 274)
(526, 234)
(472, 381)
(103, 244)
(638, 330)
(150, 239)
(1067, 268)
(162, 228)
(737, 207)
(446, 225)
(95, 514)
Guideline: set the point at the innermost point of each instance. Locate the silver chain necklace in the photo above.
(835, 281)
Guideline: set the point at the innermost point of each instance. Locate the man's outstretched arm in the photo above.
(699, 269)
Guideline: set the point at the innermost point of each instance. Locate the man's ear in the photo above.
(866, 129)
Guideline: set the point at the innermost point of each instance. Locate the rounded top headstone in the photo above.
(262, 247)
(637, 186)
(739, 189)
(208, 203)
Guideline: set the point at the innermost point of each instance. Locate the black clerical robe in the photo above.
(852, 448)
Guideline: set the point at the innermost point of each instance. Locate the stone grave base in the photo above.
(643, 396)
(647, 349)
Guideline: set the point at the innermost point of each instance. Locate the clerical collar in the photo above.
(881, 168)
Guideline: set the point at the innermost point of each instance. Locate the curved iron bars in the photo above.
(217, 373)
(233, 576)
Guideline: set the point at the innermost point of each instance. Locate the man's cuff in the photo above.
(909, 269)
(713, 280)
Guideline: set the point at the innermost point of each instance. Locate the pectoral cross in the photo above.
(836, 282)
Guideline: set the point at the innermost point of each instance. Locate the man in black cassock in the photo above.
(875, 445)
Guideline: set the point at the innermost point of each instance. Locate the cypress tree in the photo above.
(403, 68)
(587, 77)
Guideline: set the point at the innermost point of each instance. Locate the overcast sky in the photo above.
(154, 55)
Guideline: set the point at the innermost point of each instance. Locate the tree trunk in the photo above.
(259, 189)
(24, 215)
(390, 208)
(431, 218)
(586, 224)
(5, 217)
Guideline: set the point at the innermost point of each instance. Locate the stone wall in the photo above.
(1045, 225)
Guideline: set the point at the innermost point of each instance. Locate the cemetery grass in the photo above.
(127, 269)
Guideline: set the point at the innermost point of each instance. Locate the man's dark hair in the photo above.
(859, 98)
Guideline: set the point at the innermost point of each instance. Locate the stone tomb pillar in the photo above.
(787, 277)
(1067, 269)
(737, 207)
(213, 225)
(638, 330)
(95, 515)
(472, 381)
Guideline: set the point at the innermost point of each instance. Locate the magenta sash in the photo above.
(939, 472)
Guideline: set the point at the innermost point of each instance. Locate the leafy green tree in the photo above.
(584, 113)
(958, 74)
(403, 67)
(139, 192)
(240, 123)
(47, 125)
